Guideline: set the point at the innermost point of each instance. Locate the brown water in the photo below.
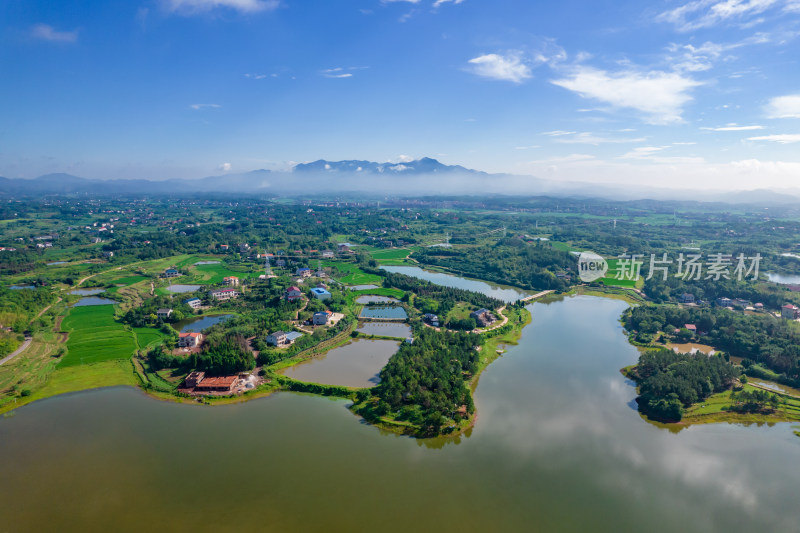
(353, 365)
(557, 447)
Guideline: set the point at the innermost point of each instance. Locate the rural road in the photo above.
(18, 351)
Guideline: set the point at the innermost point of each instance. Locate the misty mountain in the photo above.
(426, 165)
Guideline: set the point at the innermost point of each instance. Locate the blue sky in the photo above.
(697, 93)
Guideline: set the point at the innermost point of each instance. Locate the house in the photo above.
(163, 314)
(292, 336)
(293, 293)
(483, 317)
(321, 318)
(108, 254)
(244, 248)
(303, 272)
(345, 247)
(220, 384)
(687, 298)
(171, 273)
(741, 302)
(224, 247)
(194, 378)
(724, 302)
(320, 294)
(431, 319)
(277, 339)
(691, 327)
(194, 303)
(790, 311)
(280, 263)
(327, 254)
(223, 294)
(190, 340)
(232, 281)
(759, 306)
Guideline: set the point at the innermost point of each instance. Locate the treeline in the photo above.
(761, 338)
(669, 381)
(708, 290)
(511, 261)
(219, 357)
(18, 307)
(426, 383)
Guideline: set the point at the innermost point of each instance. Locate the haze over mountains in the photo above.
(425, 176)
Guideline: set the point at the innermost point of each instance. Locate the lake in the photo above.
(784, 279)
(374, 299)
(22, 287)
(200, 324)
(506, 294)
(384, 312)
(386, 329)
(557, 447)
(353, 365)
(361, 287)
(207, 263)
(183, 288)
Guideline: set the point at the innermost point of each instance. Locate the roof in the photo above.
(277, 334)
(293, 288)
(191, 300)
(165, 310)
(292, 335)
(691, 326)
(319, 290)
(303, 269)
(222, 381)
(789, 306)
(230, 277)
(328, 313)
(190, 334)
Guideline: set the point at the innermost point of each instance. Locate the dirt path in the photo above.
(43, 311)
(18, 351)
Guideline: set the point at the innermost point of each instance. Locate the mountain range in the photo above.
(425, 176)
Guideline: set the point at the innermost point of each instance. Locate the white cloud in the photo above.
(498, 67)
(224, 167)
(197, 6)
(205, 106)
(706, 13)
(437, 3)
(785, 138)
(340, 72)
(660, 96)
(734, 127)
(591, 138)
(784, 107)
(46, 32)
(256, 76)
(558, 133)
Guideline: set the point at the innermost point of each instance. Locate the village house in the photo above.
(108, 254)
(483, 317)
(232, 281)
(431, 319)
(220, 384)
(194, 378)
(345, 247)
(277, 339)
(194, 303)
(724, 302)
(790, 311)
(691, 327)
(190, 340)
(320, 294)
(321, 318)
(223, 294)
(244, 248)
(224, 247)
(293, 293)
(303, 272)
(687, 298)
(163, 314)
(327, 254)
(171, 273)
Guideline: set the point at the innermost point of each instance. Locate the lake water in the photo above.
(87, 292)
(361, 287)
(784, 279)
(557, 447)
(207, 263)
(183, 288)
(93, 300)
(200, 324)
(506, 294)
(54, 263)
(386, 329)
(384, 312)
(374, 299)
(21, 287)
(353, 365)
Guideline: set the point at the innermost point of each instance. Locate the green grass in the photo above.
(147, 337)
(382, 291)
(393, 254)
(129, 280)
(213, 274)
(95, 336)
(353, 274)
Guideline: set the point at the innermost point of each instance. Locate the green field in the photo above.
(146, 337)
(354, 275)
(382, 291)
(390, 255)
(213, 274)
(95, 336)
(129, 280)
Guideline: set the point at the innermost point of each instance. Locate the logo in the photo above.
(591, 267)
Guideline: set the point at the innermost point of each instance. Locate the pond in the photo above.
(207, 263)
(93, 300)
(87, 292)
(22, 287)
(353, 365)
(375, 299)
(557, 447)
(506, 294)
(199, 324)
(361, 287)
(384, 313)
(385, 329)
(784, 279)
(54, 263)
(178, 288)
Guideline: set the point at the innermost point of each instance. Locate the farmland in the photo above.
(95, 336)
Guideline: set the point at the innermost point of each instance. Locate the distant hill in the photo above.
(426, 165)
